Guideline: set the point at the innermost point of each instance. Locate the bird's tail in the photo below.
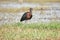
(21, 20)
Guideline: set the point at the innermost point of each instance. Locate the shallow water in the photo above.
(37, 16)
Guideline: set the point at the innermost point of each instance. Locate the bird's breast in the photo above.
(28, 15)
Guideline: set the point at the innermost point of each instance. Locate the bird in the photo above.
(26, 15)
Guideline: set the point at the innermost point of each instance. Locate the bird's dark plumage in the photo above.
(26, 16)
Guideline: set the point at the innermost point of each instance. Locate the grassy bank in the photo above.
(41, 1)
(30, 1)
(34, 31)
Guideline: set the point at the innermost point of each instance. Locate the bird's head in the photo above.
(31, 8)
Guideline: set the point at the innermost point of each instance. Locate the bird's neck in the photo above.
(30, 11)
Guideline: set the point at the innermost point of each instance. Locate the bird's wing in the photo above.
(23, 17)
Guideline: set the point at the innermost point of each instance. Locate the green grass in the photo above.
(50, 25)
(33, 31)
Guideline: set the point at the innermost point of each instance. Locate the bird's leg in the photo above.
(28, 21)
(25, 21)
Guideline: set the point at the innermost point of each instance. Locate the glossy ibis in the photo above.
(27, 15)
